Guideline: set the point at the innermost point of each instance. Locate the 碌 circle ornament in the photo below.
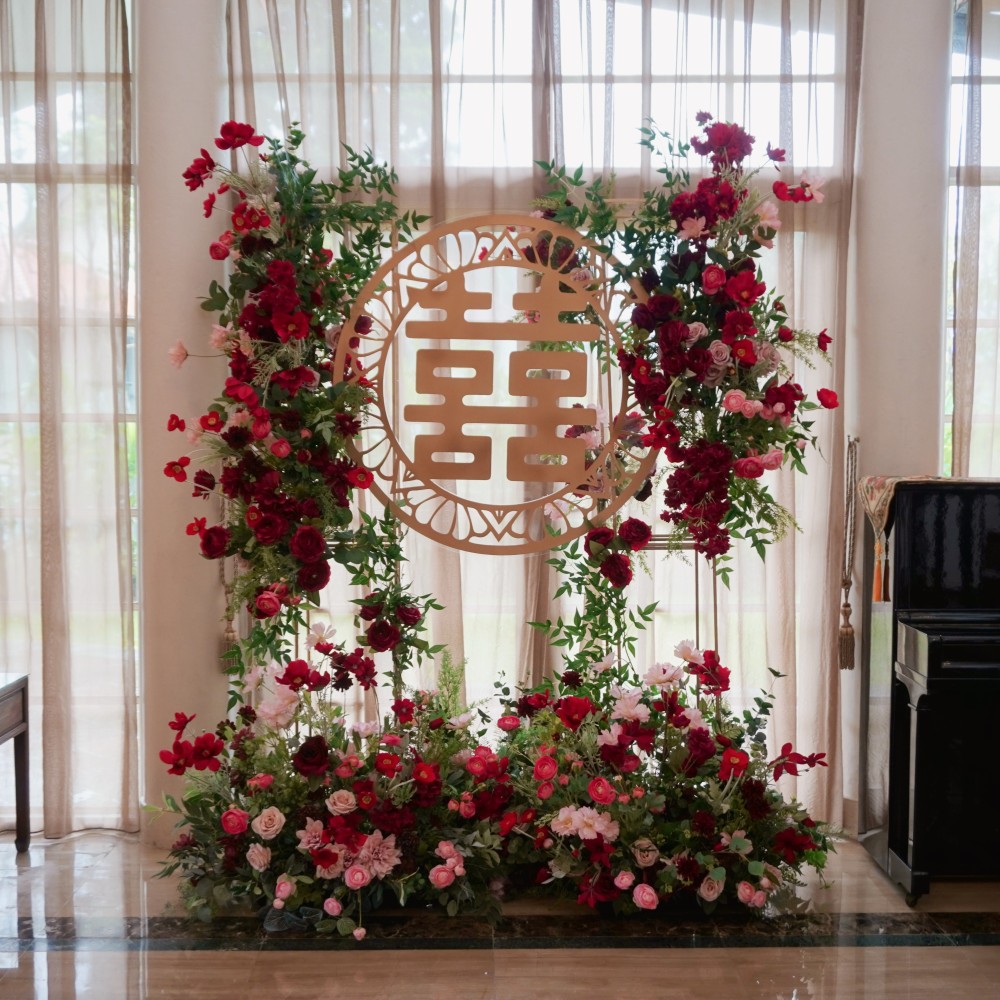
(500, 421)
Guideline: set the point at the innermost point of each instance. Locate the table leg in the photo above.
(22, 831)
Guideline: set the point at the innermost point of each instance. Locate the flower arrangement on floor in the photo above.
(708, 353)
(615, 786)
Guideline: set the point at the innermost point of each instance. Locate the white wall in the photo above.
(180, 62)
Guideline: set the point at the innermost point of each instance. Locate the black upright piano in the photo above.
(930, 733)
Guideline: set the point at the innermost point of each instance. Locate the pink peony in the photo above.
(645, 897)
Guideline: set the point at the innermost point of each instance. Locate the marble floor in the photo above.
(84, 918)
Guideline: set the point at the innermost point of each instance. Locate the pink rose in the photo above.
(258, 857)
(268, 824)
(624, 880)
(645, 897)
(357, 877)
(710, 889)
(744, 892)
(719, 351)
(750, 467)
(712, 279)
(545, 768)
(342, 802)
(733, 400)
(267, 604)
(759, 898)
(508, 723)
(284, 887)
(441, 876)
(601, 792)
(772, 459)
(332, 907)
(235, 820)
(359, 933)
(645, 853)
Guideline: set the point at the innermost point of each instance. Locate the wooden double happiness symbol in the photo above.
(441, 363)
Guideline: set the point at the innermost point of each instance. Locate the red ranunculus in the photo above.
(308, 544)
(635, 533)
(750, 467)
(828, 398)
(312, 758)
(382, 636)
(712, 279)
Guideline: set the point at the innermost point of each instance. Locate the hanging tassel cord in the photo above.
(846, 643)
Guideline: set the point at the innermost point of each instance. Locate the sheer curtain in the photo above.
(974, 253)
(461, 98)
(67, 405)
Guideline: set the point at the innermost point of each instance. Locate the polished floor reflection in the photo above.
(84, 918)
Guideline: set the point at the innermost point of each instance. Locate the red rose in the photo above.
(312, 758)
(617, 569)
(602, 536)
(383, 636)
(750, 467)
(308, 544)
(235, 820)
(269, 528)
(712, 279)
(828, 398)
(635, 533)
(313, 576)
(407, 614)
(214, 542)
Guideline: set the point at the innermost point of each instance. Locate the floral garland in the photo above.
(614, 789)
(709, 351)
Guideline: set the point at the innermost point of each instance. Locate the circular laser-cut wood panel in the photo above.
(466, 433)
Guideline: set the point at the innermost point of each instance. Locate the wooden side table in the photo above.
(14, 725)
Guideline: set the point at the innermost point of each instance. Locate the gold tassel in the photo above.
(846, 638)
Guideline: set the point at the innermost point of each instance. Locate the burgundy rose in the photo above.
(313, 576)
(602, 536)
(383, 636)
(308, 544)
(312, 758)
(214, 542)
(270, 529)
(635, 533)
(617, 569)
(369, 612)
(407, 614)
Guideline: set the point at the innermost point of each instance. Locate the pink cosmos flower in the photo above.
(687, 651)
(645, 897)
(277, 709)
(178, 354)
